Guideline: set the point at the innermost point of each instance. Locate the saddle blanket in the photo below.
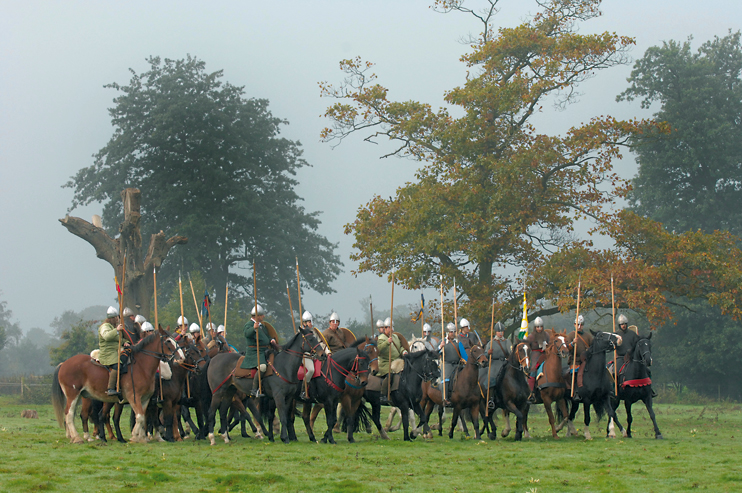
(317, 370)
(385, 383)
(374, 383)
(639, 382)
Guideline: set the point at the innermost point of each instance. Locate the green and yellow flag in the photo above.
(524, 323)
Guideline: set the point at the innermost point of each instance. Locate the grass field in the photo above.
(702, 450)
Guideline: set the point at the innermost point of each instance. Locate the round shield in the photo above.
(272, 332)
(320, 337)
(348, 336)
(403, 341)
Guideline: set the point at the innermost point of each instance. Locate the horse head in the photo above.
(373, 355)
(309, 343)
(522, 356)
(559, 343)
(196, 357)
(643, 350)
(605, 341)
(477, 355)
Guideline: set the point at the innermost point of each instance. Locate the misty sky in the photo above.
(55, 58)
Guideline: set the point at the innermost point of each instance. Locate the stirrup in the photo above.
(254, 394)
(491, 404)
(303, 397)
(577, 397)
(532, 398)
(384, 401)
(113, 392)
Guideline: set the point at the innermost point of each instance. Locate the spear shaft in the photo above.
(195, 304)
(391, 341)
(489, 369)
(291, 309)
(121, 321)
(615, 363)
(157, 323)
(226, 298)
(443, 341)
(574, 341)
(257, 329)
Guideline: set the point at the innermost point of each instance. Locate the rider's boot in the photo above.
(112, 384)
(532, 384)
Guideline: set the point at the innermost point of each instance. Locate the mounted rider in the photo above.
(431, 342)
(625, 351)
(583, 340)
(182, 327)
(466, 337)
(194, 332)
(256, 333)
(308, 362)
(334, 336)
(498, 349)
(108, 341)
(390, 349)
(537, 341)
(452, 356)
(131, 332)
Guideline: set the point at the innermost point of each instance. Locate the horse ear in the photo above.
(650, 335)
(593, 332)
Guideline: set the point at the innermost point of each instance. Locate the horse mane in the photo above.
(291, 341)
(139, 346)
(358, 341)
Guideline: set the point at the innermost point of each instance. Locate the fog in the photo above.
(56, 57)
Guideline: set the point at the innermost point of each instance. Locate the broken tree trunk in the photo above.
(139, 282)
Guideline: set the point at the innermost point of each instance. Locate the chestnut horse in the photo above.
(81, 376)
(465, 393)
(550, 382)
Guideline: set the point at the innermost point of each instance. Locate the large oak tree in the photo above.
(496, 204)
(212, 167)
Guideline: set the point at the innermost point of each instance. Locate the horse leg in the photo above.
(69, 418)
(215, 400)
(315, 412)
(519, 420)
(608, 406)
(547, 406)
(223, 421)
(586, 410)
(474, 412)
(263, 431)
(630, 418)
(405, 422)
(331, 418)
(648, 403)
(85, 409)
(305, 416)
(177, 426)
(139, 433)
(376, 415)
(454, 421)
(506, 429)
(117, 410)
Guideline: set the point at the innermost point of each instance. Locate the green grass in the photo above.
(697, 454)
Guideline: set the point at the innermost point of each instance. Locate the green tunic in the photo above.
(383, 345)
(108, 339)
(251, 357)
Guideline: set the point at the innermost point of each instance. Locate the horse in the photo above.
(342, 370)
(277, 385)
(597, 382)
(634, 385)
(197, 394)
(510, 392)
(465, 391)
(80, 376)
(195, 361)
(551, 384)
(418, 367)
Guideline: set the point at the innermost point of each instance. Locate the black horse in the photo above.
(597, 382)
(510, 392)
(345, 368)
(419, 366)
(280, 386)
(634, 384)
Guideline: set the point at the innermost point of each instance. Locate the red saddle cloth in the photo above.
(640, 382)
(303, 371)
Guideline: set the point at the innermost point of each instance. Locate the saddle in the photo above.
(124, 366)
(243, 372)
(303, 371)
(385, 383)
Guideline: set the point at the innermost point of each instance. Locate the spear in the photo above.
(298, 283)
(226, 297)
(257, 333)
(455, 307)
(180, 289)
(489, 371)
(574, 341)
(121, 320)
(391, 341)
(291, 309)
(443, 341)
(195, 304)
(154, 275)
(371, 305)
(615, 363)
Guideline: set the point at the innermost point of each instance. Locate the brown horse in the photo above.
(80, 376)
(465, 393)
(550, 381)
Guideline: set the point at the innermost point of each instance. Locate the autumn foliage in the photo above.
(497, 202)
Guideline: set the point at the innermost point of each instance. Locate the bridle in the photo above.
(642, 355)
(203, 356)
(299, 354)
(356, 370)
(523, 362)
(162, 356)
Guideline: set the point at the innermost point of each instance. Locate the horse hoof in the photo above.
(324, 440)
(384, 436)
(258, 436)
(625, 434)
(77, 440)
(659, 436)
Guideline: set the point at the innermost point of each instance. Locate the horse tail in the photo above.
(59, 400)
(599, 408)
(363, 418)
